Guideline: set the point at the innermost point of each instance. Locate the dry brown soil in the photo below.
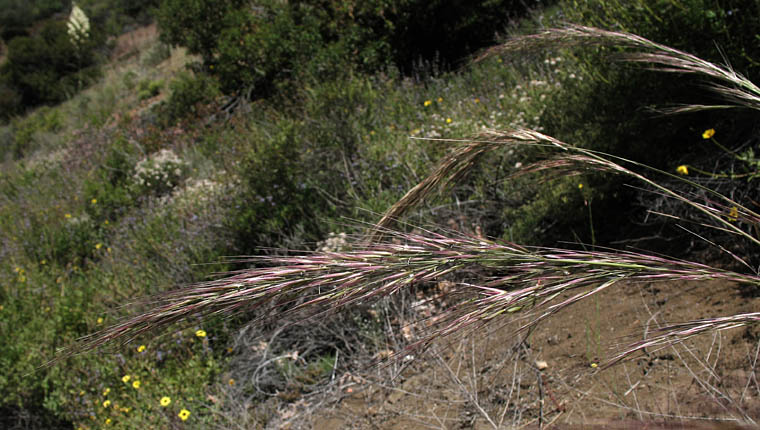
(489, 378)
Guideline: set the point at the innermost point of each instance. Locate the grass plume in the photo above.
(492, 278)
(731, 85)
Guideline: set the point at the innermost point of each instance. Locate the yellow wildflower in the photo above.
(136, 385)
(98, 245)
(231, 382)
(200, 333)
(477, 100)
(93, 201)
(733, 214)
(184, 414)
(594, 365)
(683, 169)
(108, 421)
(440, 100)
(428, 103)
(710, 132)
(580, 186)
(448, 120)
(43, 262)
(107, 403)
(141, 348)
(165, 401)
(100, 320)
(107, 390)
(67, 216)
(125, 378)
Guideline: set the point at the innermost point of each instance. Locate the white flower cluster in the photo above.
(159, 172)
(46, 161)
(196, 194)
(333, 243)
(78, 25)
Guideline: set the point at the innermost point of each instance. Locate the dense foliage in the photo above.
(265, 45)
(42, 64)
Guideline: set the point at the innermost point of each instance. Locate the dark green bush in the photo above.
(16, 16)
(610, 110)
(48, 67)
(264, 45)
(107, 194)
(276, 201)
(196, 24)
(148, 88)
(187, 93)
(114, 17)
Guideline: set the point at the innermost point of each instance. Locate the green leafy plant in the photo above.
(148, 88)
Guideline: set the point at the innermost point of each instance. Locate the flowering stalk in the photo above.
(515, 279)
(78, 25)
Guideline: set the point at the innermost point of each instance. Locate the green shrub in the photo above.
(587, 110)
(25, 130)
(266, 45)
(10, 99)
(149, 88)
(187, 93)
(107, 192)
(48, 67)
(276, 201)
(128, 79)
(156, 55)
(16, 16)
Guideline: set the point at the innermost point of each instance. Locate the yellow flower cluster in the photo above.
(200, 333)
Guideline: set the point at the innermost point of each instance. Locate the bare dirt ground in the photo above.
(490, 378)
